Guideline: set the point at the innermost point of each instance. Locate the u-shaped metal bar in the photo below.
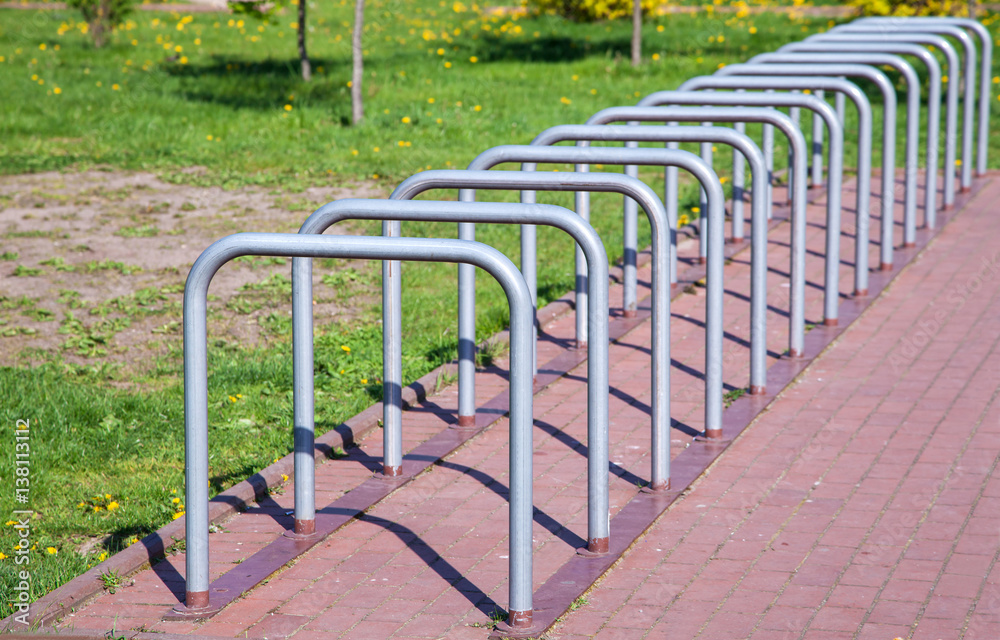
(808, 72)
(470, 180)
(955, 28)
(314, 246)
(951, 100)
(610, 133)
(689, 90)
(832, 51)
(796, 316)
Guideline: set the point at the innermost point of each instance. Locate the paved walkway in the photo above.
(861, 501)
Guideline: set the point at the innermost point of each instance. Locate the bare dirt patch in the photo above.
(92, 265)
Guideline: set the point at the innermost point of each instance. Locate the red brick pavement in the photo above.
(864, 503)
(430, 560)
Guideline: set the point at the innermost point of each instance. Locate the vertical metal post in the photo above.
(467, 327)
(392, 358)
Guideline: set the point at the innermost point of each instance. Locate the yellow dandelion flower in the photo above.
(288, 107)
(178, 514)
(477, 108)
(42, 47)
(565, 100)
(430, 100)
(447, 65)
(344, 347)
(473, 59)
(115, 87)
(56, 90)
(439, 120)
(51, 550)
(112, 505)
(753, 30)
(133, 540)
(103, 556)
(3, 556)
(656, 56)
(284, 477)
(10, 523)
(98, 508)
(405, 120)
(183, 60)
(593, 92)
(376, 149)
(239, 395)
(175, 500)
(440, 52)
(696, 209)
(364, 380)
(197, 41)
(209, 137)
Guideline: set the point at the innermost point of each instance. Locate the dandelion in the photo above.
(659, 28)
(447, 65)
(565, 100)
(344, 347)
(440, 52)
(197, 42)
(115, 87)
(430, 100)
(3, 556)
(477, 108)
(656, 56)
(574, 78)
(364, 380)
(354, 152)
(405, 120)
(97, 508)
(41, 47)
(288, 107)
(473, 59)
(175, 500)
(112, 505)
(209, 137)
(51, 550)
(593, 92)
(232, 398)
(56, 90)
(11, 523)
(103, 556)
(178, 515)
(133, 540)
(683, 219)
(439, 120)
(753, 30)
(696, 209)
(284, 477)
(239, 395)
(376, 149)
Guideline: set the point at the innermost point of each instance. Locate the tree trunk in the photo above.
(303, 56)
(636, 33)
(973, 9)
(357, 54)
(101, 24)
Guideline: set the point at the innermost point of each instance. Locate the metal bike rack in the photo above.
(809, 73)
(470, 180)
(502, 213)
(912, 108)
(540, 151)
(951, 101)
(953, 27)
(796, 141)
(714, 287)
(197, 597)
(689, 92)
(466, 182)
(832, 52)
(810, 102)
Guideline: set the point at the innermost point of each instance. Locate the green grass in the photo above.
(100, 437)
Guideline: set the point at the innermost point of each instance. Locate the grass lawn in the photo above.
(443, 82)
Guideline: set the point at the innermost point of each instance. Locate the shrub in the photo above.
(591, 10)
(102, 16)
(904, 8)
